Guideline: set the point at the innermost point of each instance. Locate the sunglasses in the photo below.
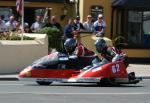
(100, 17)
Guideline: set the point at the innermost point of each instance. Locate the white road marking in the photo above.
(9, 84)
(38, 93)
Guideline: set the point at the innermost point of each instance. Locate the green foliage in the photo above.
(14, 36)
(54, 37)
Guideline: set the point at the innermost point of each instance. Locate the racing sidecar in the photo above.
(58, 67)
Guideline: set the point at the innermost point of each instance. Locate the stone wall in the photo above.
(16, 55)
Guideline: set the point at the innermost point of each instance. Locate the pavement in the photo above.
(141, 70)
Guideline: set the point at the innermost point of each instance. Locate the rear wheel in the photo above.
(107, 82)
(43, 83)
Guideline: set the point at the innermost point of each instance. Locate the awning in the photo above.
(144, 4)
(118, 2)
(55, 1)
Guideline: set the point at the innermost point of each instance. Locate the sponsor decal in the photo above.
(44, 79)
(88, 79)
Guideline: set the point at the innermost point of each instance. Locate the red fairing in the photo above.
(116, 70)
(47, 73)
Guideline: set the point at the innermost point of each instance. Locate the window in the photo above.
(95, 10)
(6, 12)
(138, 28)
(30, 14)
(134, 27)
(146, 28)
(45, 13)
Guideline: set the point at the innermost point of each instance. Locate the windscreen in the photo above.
(49, 60)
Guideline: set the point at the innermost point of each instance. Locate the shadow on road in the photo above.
(83, 85)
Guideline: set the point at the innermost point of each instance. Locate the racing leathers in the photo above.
(81, 51)
(82, 56)
(111, 54)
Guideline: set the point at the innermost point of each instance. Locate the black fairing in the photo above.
(62, 61)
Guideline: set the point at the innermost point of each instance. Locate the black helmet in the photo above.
(70, 45)
(100, 44)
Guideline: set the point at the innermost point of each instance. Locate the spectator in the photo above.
(2, 26)
(37, 24)
(69, 30)
(18, 25)
(78, 26)
(99, 26)
(88, 25)
(53, 23)
(11, 24)
(26, 28)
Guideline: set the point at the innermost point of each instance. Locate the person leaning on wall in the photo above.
(88, 25)
(99, 26)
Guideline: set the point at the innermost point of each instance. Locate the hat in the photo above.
(78, 17)
(100, 15)
(89, 16)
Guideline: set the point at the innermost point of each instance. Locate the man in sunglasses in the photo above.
(99, 26)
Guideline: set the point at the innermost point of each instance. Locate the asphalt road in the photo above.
(30, 92)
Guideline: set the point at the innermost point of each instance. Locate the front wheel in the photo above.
(107, 82)
(43, 83)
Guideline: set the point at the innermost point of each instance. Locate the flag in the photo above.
(20, 10)
(19, 6)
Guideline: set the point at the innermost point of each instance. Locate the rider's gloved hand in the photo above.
(116, 58)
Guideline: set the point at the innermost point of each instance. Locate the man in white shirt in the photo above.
(37, 24)
(99, 26)
(11, 24)
(88, 25)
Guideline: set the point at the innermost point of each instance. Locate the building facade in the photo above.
(131, 19)
(62, 9)
(127, 18)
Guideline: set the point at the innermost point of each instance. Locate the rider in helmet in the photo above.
(74, 48)
(80, 55)
(109, 54)
(70, 45)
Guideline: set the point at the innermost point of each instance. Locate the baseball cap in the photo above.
(78, 17)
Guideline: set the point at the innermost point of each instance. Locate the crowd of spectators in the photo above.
(74, 26)
(71, 29)
(13, 25)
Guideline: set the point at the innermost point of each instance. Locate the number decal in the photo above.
(115, 68)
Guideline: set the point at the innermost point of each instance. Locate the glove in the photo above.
(116, 58)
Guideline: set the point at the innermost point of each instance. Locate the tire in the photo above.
(43, 83)
(107, 82)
